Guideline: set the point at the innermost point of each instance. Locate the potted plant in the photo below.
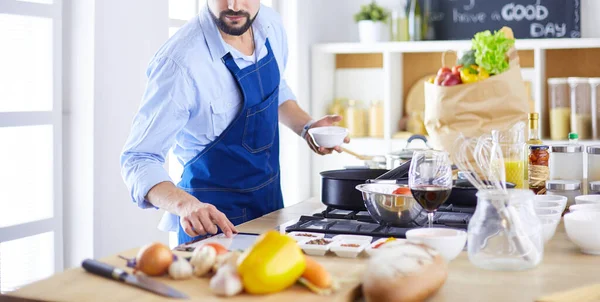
(371, 21)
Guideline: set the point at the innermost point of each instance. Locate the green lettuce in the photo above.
(491, 49)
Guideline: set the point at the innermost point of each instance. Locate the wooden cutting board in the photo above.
(78, 285)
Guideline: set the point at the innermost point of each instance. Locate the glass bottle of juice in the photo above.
(512, 144)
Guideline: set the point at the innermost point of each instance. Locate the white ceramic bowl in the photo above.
(549, 228)
(328, 137)
(548, 213)
(585, 199)
(544, 201)
(551, 205)
(348, 248)
(585, 207)
(448, 242)
(582, 228)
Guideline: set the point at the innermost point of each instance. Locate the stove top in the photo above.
(335, 221)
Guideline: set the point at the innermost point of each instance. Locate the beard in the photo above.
(237, 28)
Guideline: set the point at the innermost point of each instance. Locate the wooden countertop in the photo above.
(563, 268)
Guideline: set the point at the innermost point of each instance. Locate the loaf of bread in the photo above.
(406, 272)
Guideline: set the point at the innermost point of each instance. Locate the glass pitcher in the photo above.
(504, 232)
(512, 144)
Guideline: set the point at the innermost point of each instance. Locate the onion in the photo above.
(154, 259)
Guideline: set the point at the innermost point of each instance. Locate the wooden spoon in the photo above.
(361, 157)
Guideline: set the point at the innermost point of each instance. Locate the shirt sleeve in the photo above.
(285, 92)
(162, 114)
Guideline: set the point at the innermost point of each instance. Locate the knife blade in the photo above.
(143, 282)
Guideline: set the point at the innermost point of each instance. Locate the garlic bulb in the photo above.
(224, 259)
(203, 260)
(180, 269)
(226, 282)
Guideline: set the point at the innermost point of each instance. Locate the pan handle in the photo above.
(386, 181)
(397, 173)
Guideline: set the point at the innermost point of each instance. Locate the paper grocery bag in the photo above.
(477, 108)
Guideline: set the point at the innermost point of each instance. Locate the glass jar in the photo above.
(356, 121)
(594, 188)
(567, 162)
(581, 109)
(595, 97)
(560, 108)
(504, 232)
(593, 163)
(399, 24)
(512, 144)
(567, 188)
(376, 119)
(539, 172)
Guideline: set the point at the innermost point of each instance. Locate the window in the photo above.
(30, 130)
(180, 11)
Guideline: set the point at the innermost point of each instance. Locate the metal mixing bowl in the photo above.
(389, 208)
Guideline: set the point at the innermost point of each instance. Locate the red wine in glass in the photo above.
(431, 198)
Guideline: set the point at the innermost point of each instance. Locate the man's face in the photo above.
(234, 17)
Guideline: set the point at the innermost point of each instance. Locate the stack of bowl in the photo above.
(583, 222)
(549, 209)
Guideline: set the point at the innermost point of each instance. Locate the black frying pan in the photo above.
(338, 187)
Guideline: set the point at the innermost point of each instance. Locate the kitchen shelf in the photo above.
(386, 71)
(441, 46)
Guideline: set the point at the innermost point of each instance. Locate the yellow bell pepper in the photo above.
(272, 264)
(473, 74)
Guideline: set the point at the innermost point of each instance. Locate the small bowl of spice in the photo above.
(305, 236)
(348, 248)
(316, 247)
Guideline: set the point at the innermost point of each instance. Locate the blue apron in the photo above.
(239, 171)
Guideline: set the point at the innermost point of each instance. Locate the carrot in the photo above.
(316, 274)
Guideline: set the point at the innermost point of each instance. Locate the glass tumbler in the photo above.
(504, 232)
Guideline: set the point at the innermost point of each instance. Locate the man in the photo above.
(216, 91)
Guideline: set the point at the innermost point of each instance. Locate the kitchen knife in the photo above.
(143, 282)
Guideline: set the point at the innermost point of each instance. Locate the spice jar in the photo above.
(567, 162)
(581, 117)
(595, 98)
(560, 108)
(594, 188)
(539, 172)
(567, 188)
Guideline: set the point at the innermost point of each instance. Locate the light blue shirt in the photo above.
(190, 98)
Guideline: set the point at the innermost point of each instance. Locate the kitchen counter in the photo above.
(563, 268)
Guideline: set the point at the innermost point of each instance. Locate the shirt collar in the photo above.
(216, 45)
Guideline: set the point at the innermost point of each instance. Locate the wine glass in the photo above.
(430, 180)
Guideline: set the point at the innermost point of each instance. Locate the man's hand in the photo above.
(328, 120)
(197, 218)
(202, 218)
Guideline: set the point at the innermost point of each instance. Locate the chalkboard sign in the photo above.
(529, 19)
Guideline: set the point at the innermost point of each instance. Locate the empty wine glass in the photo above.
(430, 180)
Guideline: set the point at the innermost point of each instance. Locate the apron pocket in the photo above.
(224, 110)
(261, 124)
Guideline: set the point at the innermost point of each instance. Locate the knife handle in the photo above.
(103, 269)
